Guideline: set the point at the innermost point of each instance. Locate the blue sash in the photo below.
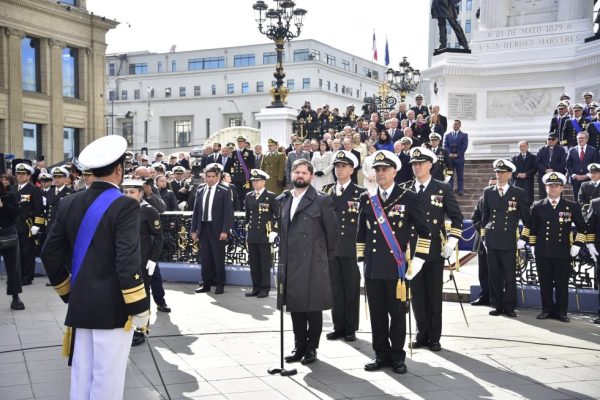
(386, 230)
(88, 226)
(597, 125)
(576, 125)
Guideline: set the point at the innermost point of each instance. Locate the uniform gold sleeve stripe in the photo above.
(132, 297)
(580, 237)
(532, 239)
(423, 242)
(360, 249)
(422, 249)
(482, 231)
(455, 232)
(525, 232)
(591, 237)
(133, 289)
(64, 287)
(39, 220)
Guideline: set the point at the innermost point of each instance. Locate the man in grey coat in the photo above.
(308, 237)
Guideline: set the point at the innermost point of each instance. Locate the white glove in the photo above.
(272, 237)
(593, 252)
(532, 251)
(574, 251)
(150, 266)
(447, 179)
(140, 321)
(520, 244)
(182, 205)
(34, 230)
(449, 247)
(417, 265)
(361, 265)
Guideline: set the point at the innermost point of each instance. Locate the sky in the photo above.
(156, 25)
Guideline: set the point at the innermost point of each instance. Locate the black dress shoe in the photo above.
(350, 338)
(251, 294)
(480, 302)
(511, 314)
(435, 346)
(138, 338)
(564, 318)
(164, 308)
(202, 289)
(26, 283)
(417, 344)
(334, 335)
(597, 320)
(219, 290)
(399, 367)
(295, 356)
(262, 295)
(309, 357)
(495, 312)
(17, 304)
(376, 364)
(543, 315)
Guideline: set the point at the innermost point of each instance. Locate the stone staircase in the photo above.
(477, 175)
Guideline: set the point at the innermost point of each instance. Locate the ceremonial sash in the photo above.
(243, 164)
(88, 227)
(597, 125)
(575, 125)
(386, 230)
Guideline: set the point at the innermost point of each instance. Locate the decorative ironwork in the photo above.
(405, 80)
(380, 102)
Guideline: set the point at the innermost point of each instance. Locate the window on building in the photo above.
(69, 2)
(290, 84)
(123, 94)
(70, 142)
(244, 60)
(328, 85)
(127, 131)
(151, 93)
(70, 72)
(138, 69)
(329, 59)
(335, 87)
(183, 133)
(30, 64)
(301, 55)
(315, 55)
(112, 95)
(357, 93)
(32, 139)
(111, 69)
(181, 91)
(320, 83)
(468, 26)
(168, 92)
(368, 72)
(235, 121)
(206, 63)
(305, 83)
(343, 89)
(197, 90)
(245, 87)
(214, 89)
(260, 86)
(173, 66)
(346, 65)
(136, 94)
(469, 5)
(159, 66)
(230, 88)
(270, 57)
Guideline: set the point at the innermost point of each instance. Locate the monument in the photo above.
(524, 54)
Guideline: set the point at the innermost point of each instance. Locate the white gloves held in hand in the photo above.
(449, 247)
(34, 230)
(520, 244)
(150, 266)
(416, 266)
(593, 252)
(140, 321)
(272, 237)
(182, 206)
(574, 251)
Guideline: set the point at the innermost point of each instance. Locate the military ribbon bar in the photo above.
(386, 230)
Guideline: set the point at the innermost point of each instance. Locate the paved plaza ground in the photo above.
(220, 347)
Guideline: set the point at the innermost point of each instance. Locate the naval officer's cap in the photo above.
(593, 167)
(386, 158)
(60, 172)
(346, 157)
(258, 174)
(504, 166)
(421, 154)
(132, 183)
(103, 152)
(24, 168)
(554, 178)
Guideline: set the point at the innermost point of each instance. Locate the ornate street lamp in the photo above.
(381, 102)
(405, 80)
(279, 28)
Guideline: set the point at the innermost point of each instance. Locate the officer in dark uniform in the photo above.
(438, 202)
(592, 218)
(579, 123)
(178, 185)
(262, 211)
(58, 191)
(503, 206)
(343, 269)
(589, 190)
(561, 125)
(440, 170)
(550, 238)
(243, 162)
(593, 128)
(384, 271)
(9, 210)
(524, 176)
(420, 108)
(30, 219)
(151, 239)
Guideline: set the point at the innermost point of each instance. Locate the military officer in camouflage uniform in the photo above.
(273, 163)
(343, 269)
(243, 162)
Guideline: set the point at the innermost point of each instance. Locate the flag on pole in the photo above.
(387, 52)
(374, 47)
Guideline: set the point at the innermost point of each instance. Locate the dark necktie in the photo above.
(384, 196)
(501, 191)
(550, 150)
(205, 209)
(421, 190)
(581, 155)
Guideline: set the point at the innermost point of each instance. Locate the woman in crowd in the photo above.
(384, 142)
(422, 130)
(323, 165)
(362, 149)
(368, 172)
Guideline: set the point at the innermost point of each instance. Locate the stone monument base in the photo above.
(437, 52)
(276, 123)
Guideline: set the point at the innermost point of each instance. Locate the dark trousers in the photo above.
(554, 283)
(13, 270)
(576, 185)
(242, 190)
(158, 292)
(345, 288)
(458, 31)
(502, 266)
(484, 276)
(459, 173)
(259, 256)
(388, 319)
(307, 330)
(427, 302)
(212, 256)
(27, 256)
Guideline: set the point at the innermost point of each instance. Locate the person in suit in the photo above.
(578, 159)
(442, 120)
(503, 206)
(589, 190)
(561, 125)
(29, 221)
(402, 151)
(550, 158)
(347, 143)
(258, 155)
(56, 194)
(524, 176)
(550, 240)
(243, 162)
(273, 163)
(343, 269)
(440, 169)
(262, 212)
(9, 210)
(395, 133)
(227, 158)
(307, 217)
(456, 142)
(385, 281)
(593, 128)
(297, 154)
(212, 221)
(420, 108)
(178, 185)
(105, 294)
(439, 203)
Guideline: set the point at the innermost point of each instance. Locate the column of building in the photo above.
(14, 138)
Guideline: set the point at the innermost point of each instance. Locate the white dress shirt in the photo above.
(295, 201)
(210, 201)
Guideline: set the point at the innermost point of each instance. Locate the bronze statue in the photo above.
(597, 20)
(447, 10)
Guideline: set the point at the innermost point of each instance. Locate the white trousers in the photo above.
(99, 363)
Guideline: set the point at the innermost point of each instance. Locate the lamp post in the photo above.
(279, 28)
(380, 102)
(405, 80)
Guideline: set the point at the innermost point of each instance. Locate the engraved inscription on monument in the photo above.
(517, 7)
(522, 103)
(462, 106)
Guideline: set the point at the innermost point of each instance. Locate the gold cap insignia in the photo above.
(553, 176)
(500, 163)
(417, 153)
(380, 157)
(341, 154)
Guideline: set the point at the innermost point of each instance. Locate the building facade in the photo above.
(52, 78)
(176, 100)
